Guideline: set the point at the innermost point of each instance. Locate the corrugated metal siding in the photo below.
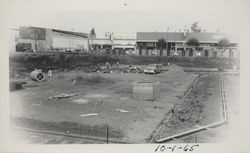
(66, 41)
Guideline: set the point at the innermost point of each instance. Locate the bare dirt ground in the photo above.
(228, 132)
(25, 137)
(187, 101)
(105, 94)
(199, 107)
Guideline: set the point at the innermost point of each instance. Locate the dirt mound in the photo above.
(185, 115)
(85, 79)
(177, 70)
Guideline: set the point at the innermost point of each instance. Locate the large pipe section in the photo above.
(37, 75)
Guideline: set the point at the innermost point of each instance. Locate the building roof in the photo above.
(33, 33)
(102, 41)
(169, 36)
(30, 32)
(211, 37)
(116, 41)
(80, 34)
(124, 39)
(181, 36)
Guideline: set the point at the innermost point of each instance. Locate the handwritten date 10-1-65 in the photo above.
(162, 148)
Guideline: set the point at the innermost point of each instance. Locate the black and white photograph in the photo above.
(163, 73)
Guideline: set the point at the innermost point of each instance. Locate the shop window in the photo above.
(183, 52)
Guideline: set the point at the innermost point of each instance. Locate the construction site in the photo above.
(116, 102)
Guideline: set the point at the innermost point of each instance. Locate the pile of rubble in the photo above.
(187, 114)
(109, 68)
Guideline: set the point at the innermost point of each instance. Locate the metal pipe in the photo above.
(207, 127)
(37, 75)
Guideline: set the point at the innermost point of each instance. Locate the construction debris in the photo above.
(176, 83)
(80, 101)
(86, 115)
(49, 73)
(122, 110)
(62, 96)
(134, 69)
(158, 107)
(125, 98)
(37, 75)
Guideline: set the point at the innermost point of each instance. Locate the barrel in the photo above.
(37, 75)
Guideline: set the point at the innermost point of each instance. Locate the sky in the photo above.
(126, 17)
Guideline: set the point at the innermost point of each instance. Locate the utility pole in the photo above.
(167, 39)
(71, 29)
(107, 134)
(110, 36)
(35, 31)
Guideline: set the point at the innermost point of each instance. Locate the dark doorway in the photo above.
(191, 53)
(206, 53)
(113, 51)
(168, 52)
(140, 51)
(214, 54)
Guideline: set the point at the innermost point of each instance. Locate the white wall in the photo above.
(124, 41)
(13, 39)
(66, 41)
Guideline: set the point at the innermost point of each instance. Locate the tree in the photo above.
(195, 28)
(193, 42)
(161, 44)
(92, 33)
(224, 42)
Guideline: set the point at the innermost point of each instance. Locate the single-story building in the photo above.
(116, 46)
(44, 39)
(123, 46)
(100, 45)
(176, 44)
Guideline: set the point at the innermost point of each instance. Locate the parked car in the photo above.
(153, 69)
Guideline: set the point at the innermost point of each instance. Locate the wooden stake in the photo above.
(107, 134)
